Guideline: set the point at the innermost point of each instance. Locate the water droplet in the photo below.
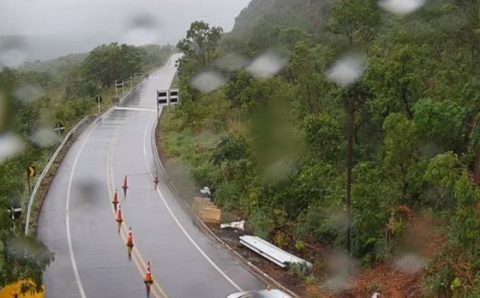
(267, 65)
(28, 93)
(337, 284)
(410, 264)
(231, 62)
(142, 29)
(45, 137)
(143, 20)
(401, 7)
(3, 112)
(21, 248)
(347, 70)
(87, 191)
(207, 81)
(10, 146)
(342, 267)
(12, 58)
(12, 52)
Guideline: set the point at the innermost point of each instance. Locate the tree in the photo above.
(441, 122)
(355, 20)
(201, 42)
(108, 63)
(313, 88)
(324, 135)
(23, 259)
(401, 143)
(396, 79)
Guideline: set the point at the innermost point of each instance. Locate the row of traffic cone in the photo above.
(148, 280)
(115, 200)
(156, 180)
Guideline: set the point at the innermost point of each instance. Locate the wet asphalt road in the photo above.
(78, 221)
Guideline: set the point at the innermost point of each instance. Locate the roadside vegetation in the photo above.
(286, 150)
(35, 99)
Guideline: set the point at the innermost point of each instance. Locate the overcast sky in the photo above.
(58, 27)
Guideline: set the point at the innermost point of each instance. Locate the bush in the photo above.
(299, 245)
(280, 240)
(322, 223)
(227, 195)
(311, 280)
(298, 270)
(261, 223)
(179, 144)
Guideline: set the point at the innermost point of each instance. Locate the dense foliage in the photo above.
(279, 150)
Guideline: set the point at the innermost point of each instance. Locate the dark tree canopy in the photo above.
(108, 63)
(201, 42)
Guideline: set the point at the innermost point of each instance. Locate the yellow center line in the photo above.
(137, 258)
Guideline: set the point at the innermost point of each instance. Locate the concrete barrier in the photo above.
(272, 252)
(206, 210)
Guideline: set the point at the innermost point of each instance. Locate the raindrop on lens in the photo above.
(207, 81)
(347, 70)
(267, 65)
(401, 7)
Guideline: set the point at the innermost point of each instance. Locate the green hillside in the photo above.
(309, 15)
(365, 142)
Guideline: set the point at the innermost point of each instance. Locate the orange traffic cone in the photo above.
(130, 238)
(115, 200)
(148, 276)
(119, 217)
(125, 186)
(148, 280)
(130, 243)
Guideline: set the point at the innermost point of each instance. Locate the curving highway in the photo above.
(78, 220)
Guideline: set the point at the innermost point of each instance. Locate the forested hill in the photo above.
(56, 67)
(152, 55)
(309, 15)
(373, 105)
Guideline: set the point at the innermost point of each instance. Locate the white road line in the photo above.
(140, 109)
(67, 215)
(180, 225)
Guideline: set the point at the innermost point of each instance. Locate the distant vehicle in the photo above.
(273, 293)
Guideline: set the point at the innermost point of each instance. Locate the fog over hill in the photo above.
(39, 30)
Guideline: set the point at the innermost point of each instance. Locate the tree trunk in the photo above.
(350, 136)
(405, 103)
(476, 166)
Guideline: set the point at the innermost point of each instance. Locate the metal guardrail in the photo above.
(47, 169)
(60, 147)
(272, 252)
